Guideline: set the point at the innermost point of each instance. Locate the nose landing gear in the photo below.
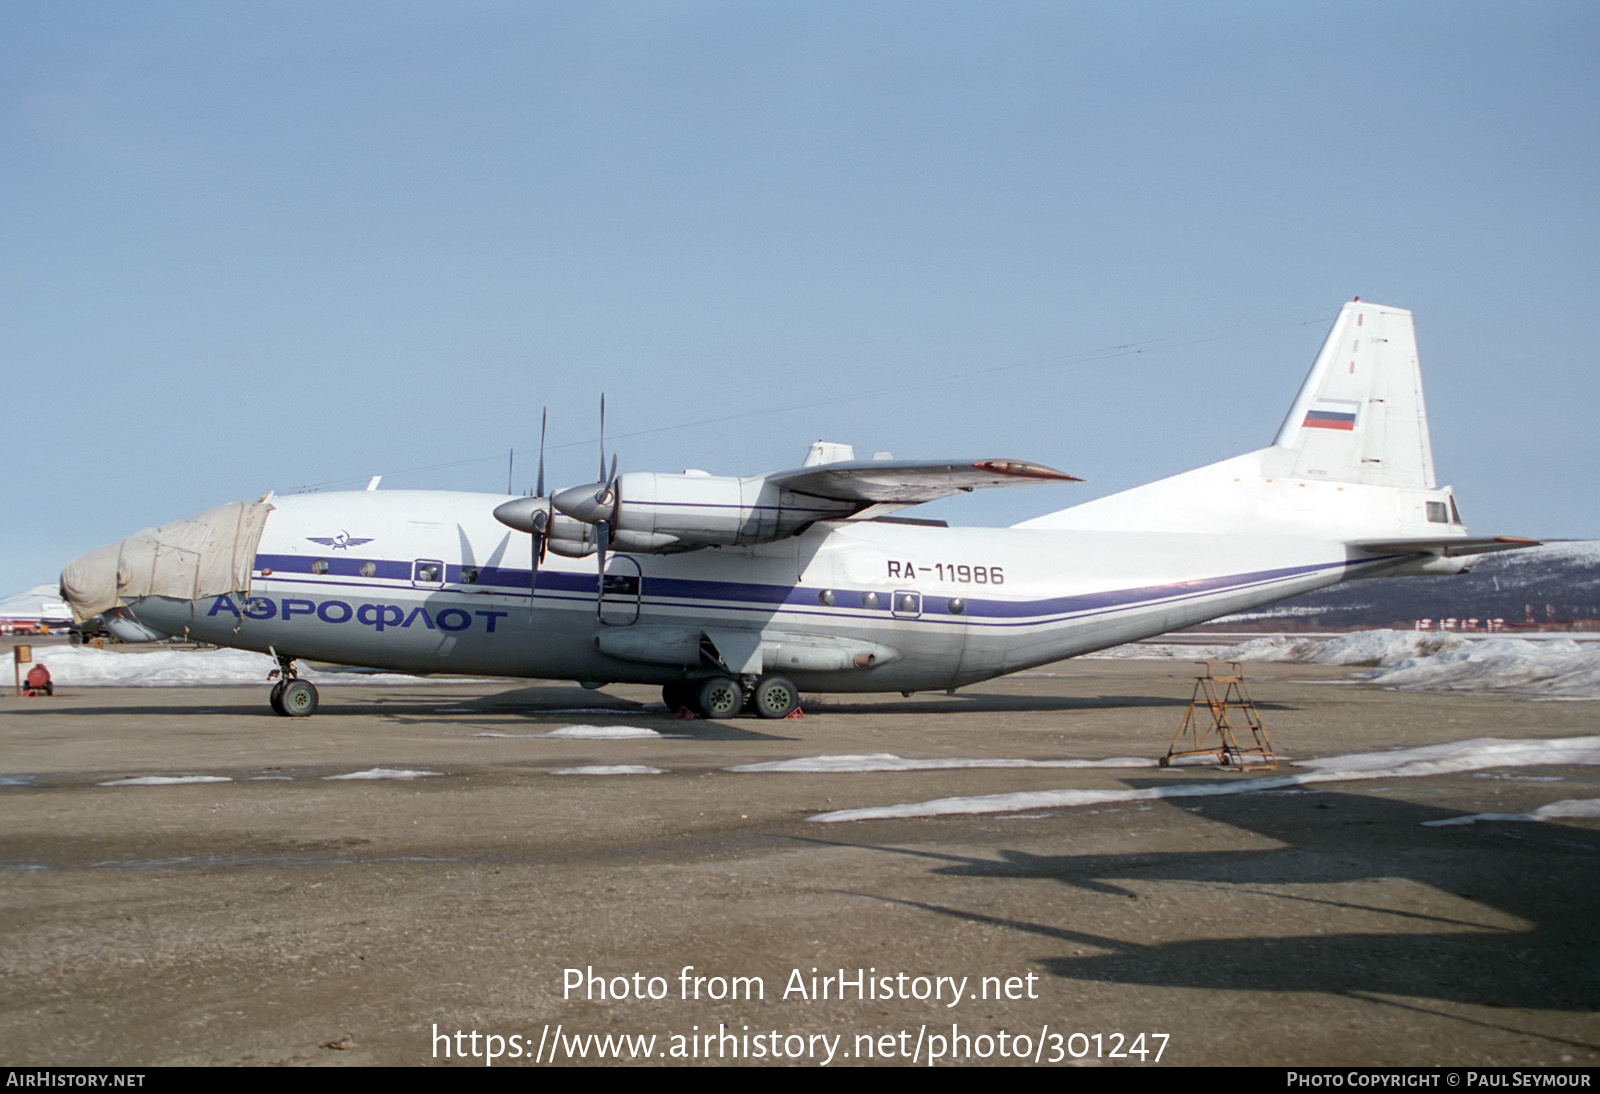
(291, 697)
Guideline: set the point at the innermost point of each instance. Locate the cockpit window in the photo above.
(1438, 513)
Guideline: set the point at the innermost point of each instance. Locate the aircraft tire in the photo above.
(275, 699)
(299, 699)
(719, 697)
(776, 697)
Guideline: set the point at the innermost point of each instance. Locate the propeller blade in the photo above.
(544, 420)
(603, 541)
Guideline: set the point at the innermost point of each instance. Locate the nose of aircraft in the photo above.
(90, 582)
(208, 554)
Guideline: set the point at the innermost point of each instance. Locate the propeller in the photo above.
(594, 504)
(532, 515)
(605, 502)
(540, 517)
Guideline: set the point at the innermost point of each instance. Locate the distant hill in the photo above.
(1556, 584)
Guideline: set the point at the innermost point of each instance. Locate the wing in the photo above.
(883, 485)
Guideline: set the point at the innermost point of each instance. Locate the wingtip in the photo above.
(1025, 470)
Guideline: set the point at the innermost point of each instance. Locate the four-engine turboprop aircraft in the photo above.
(735, 591)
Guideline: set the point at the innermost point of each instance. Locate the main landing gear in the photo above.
(291, 696)
(725, 696)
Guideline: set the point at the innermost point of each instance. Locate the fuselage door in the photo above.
(621, 590)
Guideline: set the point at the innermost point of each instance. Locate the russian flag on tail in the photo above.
(1331, 415)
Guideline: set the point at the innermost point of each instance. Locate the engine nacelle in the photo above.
(655, 512)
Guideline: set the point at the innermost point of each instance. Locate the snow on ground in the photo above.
(1561, 669)
(383, 773)
(1473, 755)
(85, 666)
(592, 733)
(609, 769)
(884, 761)
(1571, 807)
(609, 733)
(1381, 647)
(1156, 651)
(1429, 661)
(166, 780)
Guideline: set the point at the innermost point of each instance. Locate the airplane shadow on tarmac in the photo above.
(1545, 875)
(559, 701)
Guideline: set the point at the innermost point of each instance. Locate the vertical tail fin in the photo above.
(1359, 416)
(1352, 461)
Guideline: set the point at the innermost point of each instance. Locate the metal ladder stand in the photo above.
(1225, 747)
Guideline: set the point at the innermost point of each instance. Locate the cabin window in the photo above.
(369, 568)
(955, 605)
(1438, 513)
(469, 575)
(429, 572)
(869, 600)
(320, 566)
(825, 598)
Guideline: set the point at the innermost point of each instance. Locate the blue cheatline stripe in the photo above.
(756, 597)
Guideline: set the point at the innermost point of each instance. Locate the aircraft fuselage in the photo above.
(430, 582)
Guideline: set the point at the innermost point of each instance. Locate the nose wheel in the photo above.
(291, 697)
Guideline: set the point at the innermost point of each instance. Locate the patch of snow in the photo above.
(604, 733)
(383, 773)
(1154, 651)
(1554, 669)
(1380, 647)
(884, 761)
(1570, 807)
(166, 780)
(609, 769)
(85, 666)
(1485, 752)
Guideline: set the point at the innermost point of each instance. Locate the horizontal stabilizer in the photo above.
(1454, 547)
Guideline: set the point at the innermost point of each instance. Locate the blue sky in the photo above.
(264, 246)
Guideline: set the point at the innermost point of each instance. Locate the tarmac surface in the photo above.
(256, 920)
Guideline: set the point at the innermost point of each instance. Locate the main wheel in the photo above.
(299, 698)
(275, 698)
(720, 697)
(776, 697)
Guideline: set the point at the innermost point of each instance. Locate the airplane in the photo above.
(737, 593)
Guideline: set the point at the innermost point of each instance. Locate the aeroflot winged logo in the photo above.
(341, 542)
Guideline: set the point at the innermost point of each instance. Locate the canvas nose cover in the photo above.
(208, 554)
